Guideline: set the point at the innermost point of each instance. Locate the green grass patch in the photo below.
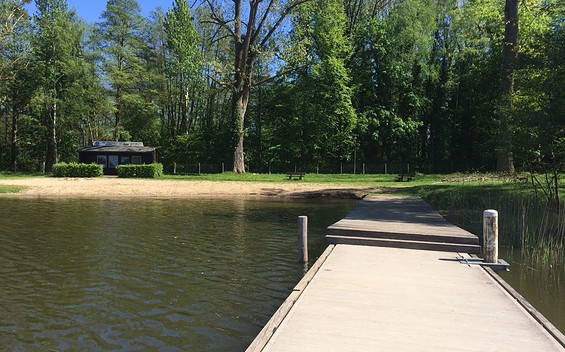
(9, 174)
(375, 180)
(11, 189)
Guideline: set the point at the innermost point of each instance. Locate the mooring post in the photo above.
(490, 236)
(303, 239)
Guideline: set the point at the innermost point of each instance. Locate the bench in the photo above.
(405, 177)
(295, 175)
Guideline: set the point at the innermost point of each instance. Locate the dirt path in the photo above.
(111, 187)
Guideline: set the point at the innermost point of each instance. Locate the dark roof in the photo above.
(116, 149)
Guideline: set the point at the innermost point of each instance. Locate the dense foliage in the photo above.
(444, 85)
(77, 170)
(154, 170)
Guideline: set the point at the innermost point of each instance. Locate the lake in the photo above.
(175, 275)
(133, 275)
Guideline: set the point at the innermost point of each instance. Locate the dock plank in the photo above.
(373, 298)
(367, 294)
(404, 219)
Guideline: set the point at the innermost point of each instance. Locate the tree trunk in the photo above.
(241, 101)
(14, 142)
(117, 114)
(505, 160)
(54, 134)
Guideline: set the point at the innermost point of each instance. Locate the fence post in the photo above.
(363, 168)
(317, 169)
(386, 171)
(490, 235)
(223, 169)
(199, 168)
(303, 239)
(174, 168)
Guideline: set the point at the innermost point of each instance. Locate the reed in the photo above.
(526, 221)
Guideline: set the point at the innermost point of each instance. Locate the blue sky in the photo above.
(90, 10)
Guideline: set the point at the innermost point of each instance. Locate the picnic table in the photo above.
(405, 177)
(294, 175)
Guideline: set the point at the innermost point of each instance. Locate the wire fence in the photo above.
(280, 168)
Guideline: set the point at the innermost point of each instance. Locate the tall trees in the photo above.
(13, 19)
(419, 81)
(327, 97)
(120, 38)
(57, 61)
(183, 67)
(14, 92)
(252, 28)
(505, 161)
(391, 53)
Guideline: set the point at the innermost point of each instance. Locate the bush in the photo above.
(77, 170)
(140, 170)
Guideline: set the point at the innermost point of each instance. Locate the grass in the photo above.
(374, 180)
(9, 174)
(11, 189)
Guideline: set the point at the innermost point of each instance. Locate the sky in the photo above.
(90, 10)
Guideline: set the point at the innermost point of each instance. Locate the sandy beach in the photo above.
(112, 187)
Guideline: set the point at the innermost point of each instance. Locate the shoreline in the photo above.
(113, 187)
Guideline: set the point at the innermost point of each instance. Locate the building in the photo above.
(111, 154)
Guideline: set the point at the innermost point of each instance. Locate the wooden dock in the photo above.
(401, 222)
(373, 298)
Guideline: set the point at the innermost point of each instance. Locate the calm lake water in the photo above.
(541, 283)
(135, 275)
(175, 275)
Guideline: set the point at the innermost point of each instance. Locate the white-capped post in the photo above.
(490, 236)
(303, 239)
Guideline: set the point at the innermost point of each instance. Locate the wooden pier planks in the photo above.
(401, 222)
(370, 298)
(389, 299)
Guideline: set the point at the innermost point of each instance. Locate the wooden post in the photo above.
(386, 171)
(199, 168)
(317, 169)
(363, 168)
(223, 168)
(355, 162)
(174, 168)
(490, 235)
(340, 168)
(303, 239)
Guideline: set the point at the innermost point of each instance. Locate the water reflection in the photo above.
(540, 282)
(146, 274)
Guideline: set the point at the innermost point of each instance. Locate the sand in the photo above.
(113, 187)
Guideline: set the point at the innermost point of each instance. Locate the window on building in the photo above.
(136, 159)
(124, 159)
(112, 161)
(102, 159)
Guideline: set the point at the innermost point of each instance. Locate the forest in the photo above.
(445, 85)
